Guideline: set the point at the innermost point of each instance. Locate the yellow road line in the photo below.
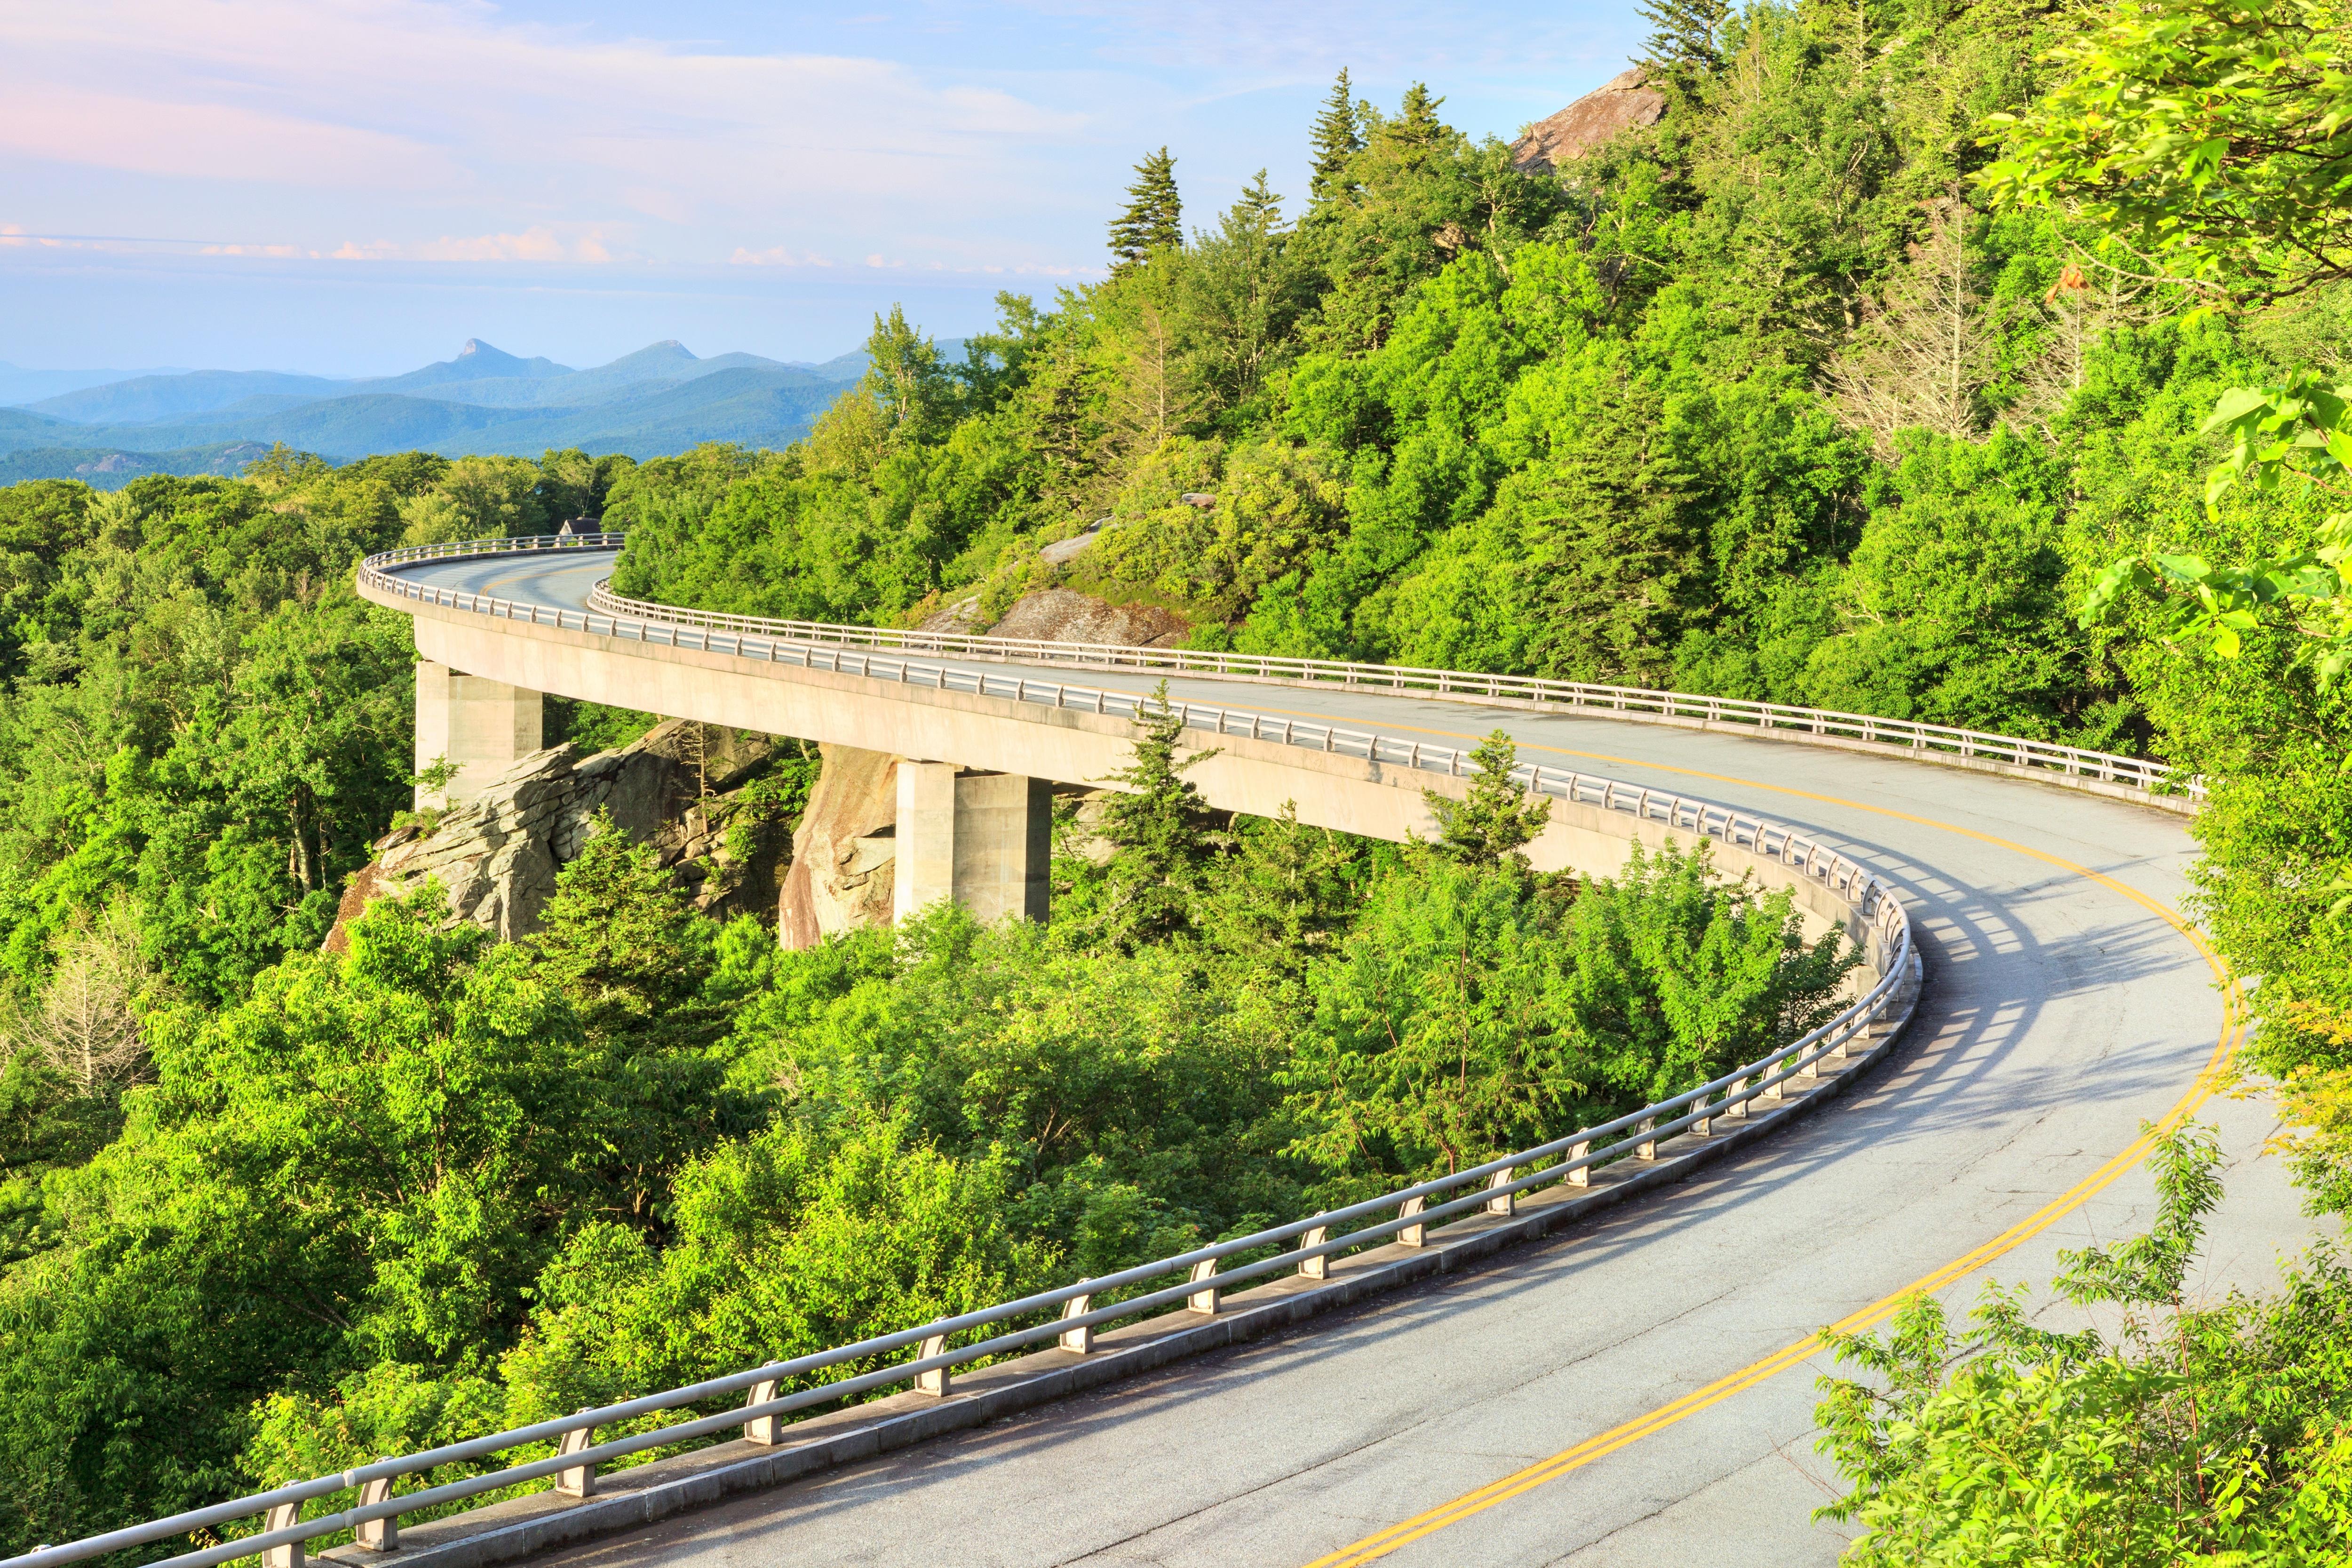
(2216, 1069)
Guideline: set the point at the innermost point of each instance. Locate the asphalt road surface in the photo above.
(2062, 1009)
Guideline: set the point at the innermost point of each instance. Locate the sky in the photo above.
(354, 188)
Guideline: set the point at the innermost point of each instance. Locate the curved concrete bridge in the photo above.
(1636, 1390)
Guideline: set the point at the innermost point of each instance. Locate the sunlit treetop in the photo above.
(2209, 140)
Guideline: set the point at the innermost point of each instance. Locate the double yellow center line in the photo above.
(2216, 1068)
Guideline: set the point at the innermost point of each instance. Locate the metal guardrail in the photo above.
(2132, 771)
(1067, 1315)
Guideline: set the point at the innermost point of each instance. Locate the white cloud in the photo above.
(775, 256)
(155, 136)
(410, 97)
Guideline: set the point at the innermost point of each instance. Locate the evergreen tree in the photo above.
(1286, 896)
(1162, 833)
(621, 942)
(1685, 41)
(1153, 216)
(1259, 210)
(1338, 137)
(1416, 126)
(1498, 820)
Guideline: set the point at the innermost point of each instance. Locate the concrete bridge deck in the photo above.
(2065, 1004)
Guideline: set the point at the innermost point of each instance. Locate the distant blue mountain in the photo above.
(148, 397)
(660, 400)
(19, 386)
(478, 361)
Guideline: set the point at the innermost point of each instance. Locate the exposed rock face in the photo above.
(961, 619)
(497, 855)
(844, 850)
(1064, 614)
(1624, 102)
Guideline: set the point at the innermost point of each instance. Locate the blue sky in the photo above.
(355, 186)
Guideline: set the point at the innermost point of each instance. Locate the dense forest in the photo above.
(1969, 362)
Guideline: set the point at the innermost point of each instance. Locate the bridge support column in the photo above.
(480, 725)
(983, 839)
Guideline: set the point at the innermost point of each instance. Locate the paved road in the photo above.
(2060, 1015)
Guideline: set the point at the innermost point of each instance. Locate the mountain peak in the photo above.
(1626, 101)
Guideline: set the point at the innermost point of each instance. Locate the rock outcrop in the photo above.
(1064, 614)
(1624, 102)
(844, 850)
(497, 855)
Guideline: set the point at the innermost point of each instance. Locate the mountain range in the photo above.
(660, 400)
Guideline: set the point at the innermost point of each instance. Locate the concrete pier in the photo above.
(482, 725)
(982, 839)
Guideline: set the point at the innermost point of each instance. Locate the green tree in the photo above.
(1161, 830)
(1244, 293)
(2210, 143)
(1153, 216)
(1337, 137)
(1686, 38)
(904, 375)
(1499, 819)
(1286, 894)
(2174, 1440)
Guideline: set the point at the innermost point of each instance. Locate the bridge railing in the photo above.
(2108, 767)
(2137, 772)
(1194, 1282)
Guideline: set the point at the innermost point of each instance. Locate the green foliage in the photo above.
(1474, 1006)
(1336, 137)
(1158, 828)
(2214, 140)
(1686, 38)
(2205, 1434)
(1153, 216)
(1499, 819)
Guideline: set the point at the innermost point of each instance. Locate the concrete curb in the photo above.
(521, 1526)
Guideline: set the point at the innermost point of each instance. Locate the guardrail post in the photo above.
(1079, 1340)
(1705, 1125)
(1647, 1149)
(935, 1381)
(1415, 1233)
(285, 1516)
(1504, 1203)
(581, 1479)
(765, 1430)
(1207, 1301)
(378, 1535)
(1734, 1099)
(1318, 1266)
(1583, 1175)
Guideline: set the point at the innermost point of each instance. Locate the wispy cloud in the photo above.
(776, 256)
(404, 97)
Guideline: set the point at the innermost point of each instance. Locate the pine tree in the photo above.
(1161, 831)
(626, 947)
(1259, 210)
(1286, 896)
(1687, 38)
(1416, 124)
(1153, 217)
(1498, 820)
(1339, 136)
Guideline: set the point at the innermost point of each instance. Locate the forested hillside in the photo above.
(1880, 374)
